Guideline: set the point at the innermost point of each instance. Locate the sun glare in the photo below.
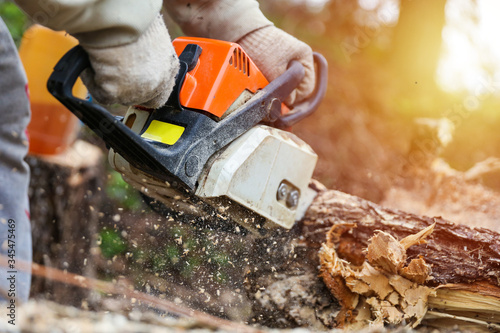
(471, 48)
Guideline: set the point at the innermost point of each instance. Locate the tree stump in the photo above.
(65, 196)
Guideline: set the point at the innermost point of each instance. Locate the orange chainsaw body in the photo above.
(221, 75)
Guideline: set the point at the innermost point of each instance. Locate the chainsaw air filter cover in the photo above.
(221, 74)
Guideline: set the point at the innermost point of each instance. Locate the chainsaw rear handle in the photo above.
(311, 104)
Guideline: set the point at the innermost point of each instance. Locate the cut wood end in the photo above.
(391, 291)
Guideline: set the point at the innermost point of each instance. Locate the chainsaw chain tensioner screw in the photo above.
(282, 192)
(293, 199)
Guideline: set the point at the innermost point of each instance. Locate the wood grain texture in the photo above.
(65, 195)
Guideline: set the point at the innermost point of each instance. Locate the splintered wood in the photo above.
(383, 288)
(389, 267)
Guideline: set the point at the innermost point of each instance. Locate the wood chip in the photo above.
(386, 252)
(393, 298)
(400, 284)
(417, 271)
(418, 238)
(377, 281)
(393, 291)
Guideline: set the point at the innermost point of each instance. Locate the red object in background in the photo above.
(53, 128)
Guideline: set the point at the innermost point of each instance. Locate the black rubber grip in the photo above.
(311, 104)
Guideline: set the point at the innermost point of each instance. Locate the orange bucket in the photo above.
(53, 128)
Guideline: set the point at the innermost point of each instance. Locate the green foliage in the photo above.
(111, 243)
(172, 254)
(14, 18)
(121, 192)
(190, 265)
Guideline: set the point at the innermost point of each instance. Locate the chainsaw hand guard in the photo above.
(311, 104)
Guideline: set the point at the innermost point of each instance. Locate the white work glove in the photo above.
(243, 22)
(139, 73)
(272, 50)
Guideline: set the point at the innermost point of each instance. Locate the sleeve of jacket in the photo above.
(221, 19)
(95, 23)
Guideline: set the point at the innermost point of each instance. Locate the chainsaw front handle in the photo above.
(311, 104)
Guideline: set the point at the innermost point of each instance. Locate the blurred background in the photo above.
(390, 63)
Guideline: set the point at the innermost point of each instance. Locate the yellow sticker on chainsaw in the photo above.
(163, 132)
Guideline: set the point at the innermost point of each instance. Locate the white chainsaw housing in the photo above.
(252, 168)
(249, 172)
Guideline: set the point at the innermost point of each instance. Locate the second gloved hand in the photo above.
(141, 73)
(272, 50)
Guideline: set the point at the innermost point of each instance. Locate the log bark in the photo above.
(65, 194)
(464, 266)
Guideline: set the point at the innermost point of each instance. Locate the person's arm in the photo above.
(242, 21)
(95, 23)
(220, 19)
(131, 54)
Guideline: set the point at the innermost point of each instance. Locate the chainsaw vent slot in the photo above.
(130, 120)
(240, 61)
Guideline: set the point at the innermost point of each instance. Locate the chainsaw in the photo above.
(220, 144)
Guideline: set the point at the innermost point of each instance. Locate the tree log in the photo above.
(65, 196)
(464, 267)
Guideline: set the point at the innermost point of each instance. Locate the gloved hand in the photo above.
(272, 49)
(142, 72)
